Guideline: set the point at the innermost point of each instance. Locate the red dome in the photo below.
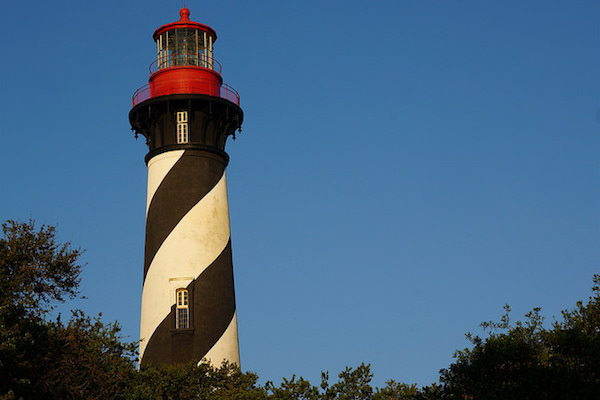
(185, 22)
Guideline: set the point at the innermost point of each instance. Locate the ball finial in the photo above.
(184, 13)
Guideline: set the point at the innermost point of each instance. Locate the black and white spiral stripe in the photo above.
(188, 246)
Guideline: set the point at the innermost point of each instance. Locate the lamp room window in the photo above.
(182, 312)
(182, 127)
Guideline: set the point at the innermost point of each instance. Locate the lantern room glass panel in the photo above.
(184, 46)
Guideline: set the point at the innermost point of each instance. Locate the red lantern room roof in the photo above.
(185, 22)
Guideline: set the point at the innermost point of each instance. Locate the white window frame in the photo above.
(182, 309)
(183, 135)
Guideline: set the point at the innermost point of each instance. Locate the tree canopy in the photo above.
(85, 358)
(36, 271)
(528, 361)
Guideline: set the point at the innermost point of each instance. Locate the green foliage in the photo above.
(293, 389)
(396, 390)
(88, 359)
(527, 361)
(35, 271)
(353, 384)
(193, 381)
(48, 359)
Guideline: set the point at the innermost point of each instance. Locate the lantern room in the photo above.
(184, 63)
(184, 43)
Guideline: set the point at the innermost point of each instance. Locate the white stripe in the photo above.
(195, 242)
(158, 167)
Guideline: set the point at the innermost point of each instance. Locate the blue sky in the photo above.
(405, 167)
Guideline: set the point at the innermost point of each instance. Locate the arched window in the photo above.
(182, 312)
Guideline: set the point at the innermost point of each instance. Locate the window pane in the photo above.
(182, 116)
(182, 318)
(182, 133)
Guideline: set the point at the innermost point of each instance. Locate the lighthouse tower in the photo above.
(186, 113)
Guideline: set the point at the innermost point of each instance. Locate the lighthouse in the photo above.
(186, 113)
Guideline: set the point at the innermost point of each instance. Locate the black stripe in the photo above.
(213, 307)
(188, 181)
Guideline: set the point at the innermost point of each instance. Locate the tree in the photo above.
(35, 273)
(194, 381)
(293, 389)
(87, 359)
(353, 384)
(527, 361)
(84, 358)
(397, 391)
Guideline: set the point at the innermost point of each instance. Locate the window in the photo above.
(184, 46)
(182, 311)
(182, 127)
(182, 116)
